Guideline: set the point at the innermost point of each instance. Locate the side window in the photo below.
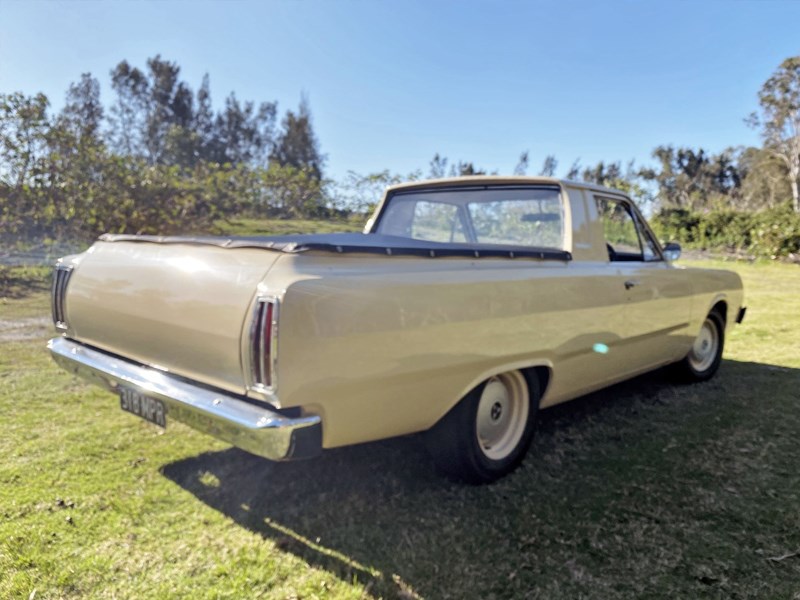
(437, 222)
(649, 247)
(619, 227)
(627, 239)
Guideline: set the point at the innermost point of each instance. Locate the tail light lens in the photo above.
(264, 342)
(61, 276)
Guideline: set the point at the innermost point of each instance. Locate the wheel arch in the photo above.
(541, 369)
(543, 375)
(719, 304)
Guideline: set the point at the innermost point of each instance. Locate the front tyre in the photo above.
(705, 355)
(486, 435)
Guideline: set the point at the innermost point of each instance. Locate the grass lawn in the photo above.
(647, 489)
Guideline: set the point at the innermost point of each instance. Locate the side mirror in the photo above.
(672, 251)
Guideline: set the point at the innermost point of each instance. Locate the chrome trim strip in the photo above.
(61, 276)
(271, 368)
(255, 429)
(255, 344)
(261, 369)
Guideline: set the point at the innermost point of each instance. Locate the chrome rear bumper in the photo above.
(253, 428)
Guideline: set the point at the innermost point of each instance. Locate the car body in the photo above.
(508, 294)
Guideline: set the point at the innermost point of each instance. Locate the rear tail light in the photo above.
(61, 277)
(264, 342)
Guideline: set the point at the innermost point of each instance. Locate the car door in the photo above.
(657, 296)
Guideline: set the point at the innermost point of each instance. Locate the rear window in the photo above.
(528, 217)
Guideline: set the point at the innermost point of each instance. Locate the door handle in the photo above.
(631, 283)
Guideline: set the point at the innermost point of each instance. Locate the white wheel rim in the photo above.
(502, 415)
(704, 349)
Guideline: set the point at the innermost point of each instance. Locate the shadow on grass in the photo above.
(592, 509)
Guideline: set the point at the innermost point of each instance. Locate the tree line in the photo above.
(161, 158)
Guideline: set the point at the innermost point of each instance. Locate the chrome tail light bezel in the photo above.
(58, 296)
(263, 344)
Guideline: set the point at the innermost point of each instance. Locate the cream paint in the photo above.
(385, 345)
(185, 318)
(383, 351)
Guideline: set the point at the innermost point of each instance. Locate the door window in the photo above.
(626, 239)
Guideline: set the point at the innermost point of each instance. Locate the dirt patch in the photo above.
(16, 330)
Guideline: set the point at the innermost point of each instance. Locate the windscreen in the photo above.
(513, 216)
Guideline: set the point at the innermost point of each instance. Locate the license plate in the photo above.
(149, 409)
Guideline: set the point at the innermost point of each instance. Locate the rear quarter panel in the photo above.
(389, 346)
(710, 287)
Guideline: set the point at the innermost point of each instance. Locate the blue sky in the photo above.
(391, 83)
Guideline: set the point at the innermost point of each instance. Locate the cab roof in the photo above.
(471, 180)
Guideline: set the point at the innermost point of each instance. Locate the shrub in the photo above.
(772, 233)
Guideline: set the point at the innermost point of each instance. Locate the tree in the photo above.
(156, 116)
(779, 121)
(465, 169)
(297, 145)
(77, 157)
(129, 118)
(549, 166)
(693, 179)
(243, 134)
(153, 114)
(24, 127)
(574, 170)
(605, 174)
(203, 124)
(162, 161)
(522, 164)
(437, 167)
(612, 175)
(765, 179)
(361, 193)
(23, 136)
(168, 104)
(291, 192)
(83, 111)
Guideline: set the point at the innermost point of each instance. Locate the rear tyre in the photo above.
(486, 435)
(705, 355)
